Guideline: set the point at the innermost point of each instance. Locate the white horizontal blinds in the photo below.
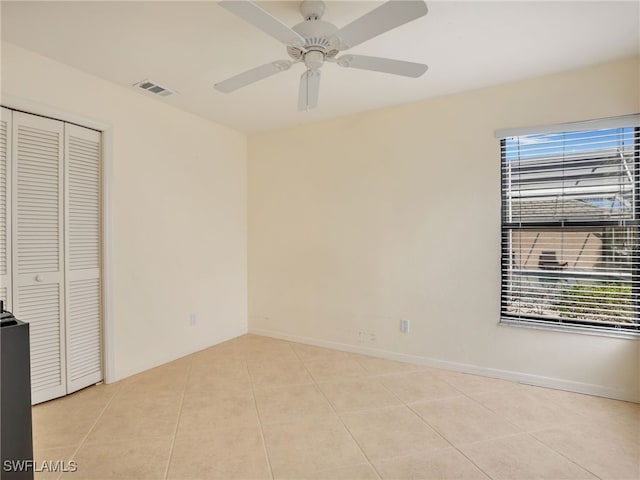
(556, 278)
(83, 292)
(5, 207)
(569, 218)
(38, 247)
(570, 176)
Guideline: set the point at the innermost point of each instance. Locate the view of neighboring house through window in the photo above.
(570, 216)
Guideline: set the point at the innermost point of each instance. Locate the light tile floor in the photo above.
(256, 407)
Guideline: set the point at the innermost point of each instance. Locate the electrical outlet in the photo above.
(193, 319)
(405, 326)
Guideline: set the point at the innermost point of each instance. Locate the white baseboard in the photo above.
(526, 378)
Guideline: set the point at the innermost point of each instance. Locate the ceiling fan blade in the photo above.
(309, 89)
(385, 65)
(263, 20)
(387, 16)
(253, 75)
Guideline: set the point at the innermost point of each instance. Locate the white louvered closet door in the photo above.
(38, 263)
(82, 266)
(5, 207)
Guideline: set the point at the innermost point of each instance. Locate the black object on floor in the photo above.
(16, 442)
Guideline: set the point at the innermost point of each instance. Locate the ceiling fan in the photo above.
(315, 41)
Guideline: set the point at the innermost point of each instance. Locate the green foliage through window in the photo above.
(598, 302)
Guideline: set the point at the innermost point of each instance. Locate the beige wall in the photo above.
(361, 221)
(177, 212)
(354, 224)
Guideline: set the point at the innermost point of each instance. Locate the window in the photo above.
(570, 217)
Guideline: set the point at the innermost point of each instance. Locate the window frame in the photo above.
(506, 248)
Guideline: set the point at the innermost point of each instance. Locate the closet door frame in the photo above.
(6, 280)
(36, 108)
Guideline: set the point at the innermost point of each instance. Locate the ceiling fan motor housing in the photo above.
(319, 37)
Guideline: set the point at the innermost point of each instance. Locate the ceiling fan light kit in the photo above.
(315, 41)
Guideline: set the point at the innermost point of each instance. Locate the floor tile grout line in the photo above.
(527, 433)
(511, 422)
(463, 394)
(338, 417)
(396, 396)
(557, 403)
(551, 401)
(405, 404)
(121, 390)
(175, 430)
(522, 430)
(84, 439)
(255, 404)
(449, 441)
(564, 456)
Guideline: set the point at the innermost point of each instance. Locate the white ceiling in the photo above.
(189, 46)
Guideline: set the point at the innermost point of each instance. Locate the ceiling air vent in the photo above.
(154, 88)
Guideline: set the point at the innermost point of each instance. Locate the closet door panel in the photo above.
(40, 306)
(83, 287)
(5, 207)
(38, 255)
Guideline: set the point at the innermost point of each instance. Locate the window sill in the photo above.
(541, 325)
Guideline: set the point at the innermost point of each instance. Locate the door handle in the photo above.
(39, 278)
